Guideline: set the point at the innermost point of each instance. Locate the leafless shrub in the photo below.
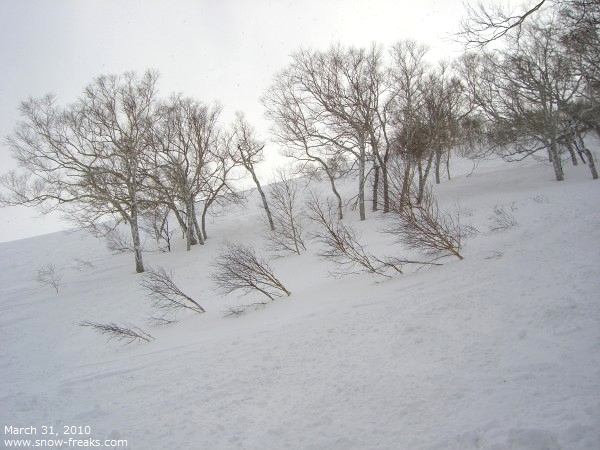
(238, 268)
(165, 295)
(50, 276)
(81, 264)
(502, 219)
(341, 245)
(288, 234)
(122, 333)
(161, 320)
(540, 198)
(424, 228)
(156, 224)
(494, 254)
(238, 310)
(117, 241)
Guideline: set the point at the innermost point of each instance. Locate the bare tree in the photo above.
(165, 295)
(446, 107)
(502, 219)
(49, 275)
(428, 107)
(327, 104)
(423, 227)
(238, 268)
(85, 159)
(580, 20)
(340, 243)
(117, 240)
(155, 222)
(581, 148)
(575, 31)
(484, 24)
(296, 125)
(250, 153)
(408, 69)
(185, 145)
(288, 235)
(122, 333)
(524, 91)
(221, 175)
(342, 247)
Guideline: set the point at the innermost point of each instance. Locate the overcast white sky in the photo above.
(225, 50)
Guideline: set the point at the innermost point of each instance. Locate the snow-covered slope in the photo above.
(498, 351)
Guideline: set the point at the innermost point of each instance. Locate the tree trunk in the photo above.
(423, 175)
(361, 181)
(135, 237)
(438, 162)
(203, 222)
(591, 163)
(569, 144)
(190, 231)
(205, 209)
(386, 189)
(179, 218)
(262, 196)
(197, 226)
(582, 149)
(335, 192)
(556, 162)
(405, 194)
(375, 187)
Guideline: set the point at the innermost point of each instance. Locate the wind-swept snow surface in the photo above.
(498, 351)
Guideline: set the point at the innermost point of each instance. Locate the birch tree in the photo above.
(296, 126)
(85, 159)
(185, 142)
(408, 70)
(524, 90)
(325, 105)
(249, 154)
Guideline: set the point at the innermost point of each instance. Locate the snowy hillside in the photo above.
(498, 351)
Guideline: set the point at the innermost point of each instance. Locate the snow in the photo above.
(498, 351)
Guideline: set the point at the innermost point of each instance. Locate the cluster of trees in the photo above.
(121, 152)
(390, 118)
(539, 90)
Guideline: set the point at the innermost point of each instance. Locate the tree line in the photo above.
(390, 118)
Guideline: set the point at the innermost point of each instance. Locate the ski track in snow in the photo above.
(498, 351)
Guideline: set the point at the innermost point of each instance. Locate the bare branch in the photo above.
(238, 268)
(423, 227)
(49, 275)
(341, 245)
(238, 310)
(485, 24)
(288, 235)
(502, 219)
(164, 293)
(122, 333)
